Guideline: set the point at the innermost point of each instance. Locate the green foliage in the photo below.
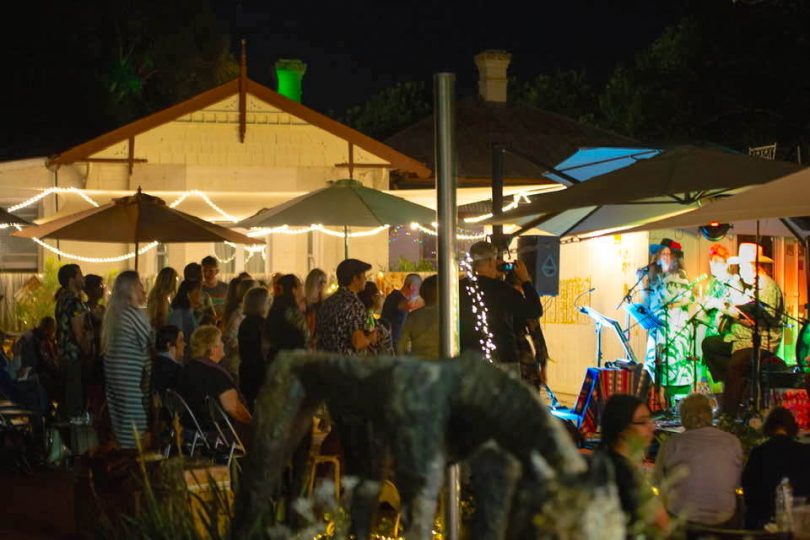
(154, 63)
(38, 302)
(390, 110)
(565, 92)
(407, 265)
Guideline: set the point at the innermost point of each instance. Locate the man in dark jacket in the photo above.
(170, 344)
(486, 298)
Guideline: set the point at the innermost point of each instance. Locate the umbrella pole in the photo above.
(136, 255)
(345, 242)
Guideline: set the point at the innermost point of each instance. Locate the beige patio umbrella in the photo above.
(8, 219)
(136, 219)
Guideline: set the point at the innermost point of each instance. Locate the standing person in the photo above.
(204, 307)
(530, 342)
(160, 297)
(253, 347)
(503, 304)
(71, 316)
(170, 346)
(668, 296)
(342, 319)
(230, 331)
(36, 350)
(212, 286)
(182, 311)
(420, 333)
(314, 292)
(729, 356)
(705, 465)
(627, 431)
(126, 340)
(399, 303)
(94, 373)
(372, 300)
(781, 456)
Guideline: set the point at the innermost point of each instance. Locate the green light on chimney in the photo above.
(289, 74)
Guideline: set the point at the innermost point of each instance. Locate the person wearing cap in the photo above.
(504, 305)
(340, 326)
(729, 356)
(667, 294)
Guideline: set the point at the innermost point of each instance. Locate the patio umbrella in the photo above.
(666, 183)
(782, 198)
(343, 203)
(134, 219)
(8, 219)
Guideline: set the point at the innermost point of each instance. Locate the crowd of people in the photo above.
(699, 473)
(209, 340)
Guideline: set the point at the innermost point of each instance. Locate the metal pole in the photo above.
(497, 195)
(136, 255)
(345, 242)
(445, 167)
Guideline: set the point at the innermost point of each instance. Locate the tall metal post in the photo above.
(345, 242)
(497, 195)
(445, 167)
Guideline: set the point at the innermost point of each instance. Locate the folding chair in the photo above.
(227, 436)
(389, 495)
(176, 406)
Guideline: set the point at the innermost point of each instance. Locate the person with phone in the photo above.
(502, 306)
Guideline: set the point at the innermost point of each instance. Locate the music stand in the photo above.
(601, 320)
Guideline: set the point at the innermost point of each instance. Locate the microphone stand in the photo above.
(628, 298)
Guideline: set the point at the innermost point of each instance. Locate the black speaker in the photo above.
(541, 255)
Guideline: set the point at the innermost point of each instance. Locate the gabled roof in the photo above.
(543, 137)
(398, 160)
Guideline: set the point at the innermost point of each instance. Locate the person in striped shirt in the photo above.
(126, 336)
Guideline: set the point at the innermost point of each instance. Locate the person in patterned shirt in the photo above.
(341, 323)
(71, 314)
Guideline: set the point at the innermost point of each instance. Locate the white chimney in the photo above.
(492, 66)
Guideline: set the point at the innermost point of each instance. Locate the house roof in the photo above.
(397, 159)
(543, 137)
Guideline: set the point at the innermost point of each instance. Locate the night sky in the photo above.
(356, 48)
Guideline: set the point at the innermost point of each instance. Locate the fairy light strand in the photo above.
(479, 308)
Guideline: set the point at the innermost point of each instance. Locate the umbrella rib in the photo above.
(580, 221)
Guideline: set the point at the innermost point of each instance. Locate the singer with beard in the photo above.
(668, 296)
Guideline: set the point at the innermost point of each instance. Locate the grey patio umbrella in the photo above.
(343, 203)
(651, 188)
(135, 219)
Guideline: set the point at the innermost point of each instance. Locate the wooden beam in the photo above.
(365, 165)
(243, 92)
(130, 156)
(113, 160)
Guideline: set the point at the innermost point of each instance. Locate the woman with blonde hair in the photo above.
(232, 319)
(204, 377)
(314, 293)
(125, 341)
(160, 297)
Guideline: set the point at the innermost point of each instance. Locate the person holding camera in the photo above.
(504, 308)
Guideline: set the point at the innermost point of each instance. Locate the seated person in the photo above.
(699, 470)
(781, 456)
(170, 345)
(203, 376)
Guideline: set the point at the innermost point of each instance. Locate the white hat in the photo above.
(748, 253)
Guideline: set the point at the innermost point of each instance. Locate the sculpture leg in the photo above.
(493, 476)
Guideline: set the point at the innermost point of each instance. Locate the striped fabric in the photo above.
(126, 373)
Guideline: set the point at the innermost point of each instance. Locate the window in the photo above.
(19, 254)
(161, 256)
(226, 254)
(254, 262)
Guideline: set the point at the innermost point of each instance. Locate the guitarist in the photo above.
(729, 356)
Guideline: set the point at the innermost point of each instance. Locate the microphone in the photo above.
(645, 269)
(583, 309)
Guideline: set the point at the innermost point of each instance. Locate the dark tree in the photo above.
(390, 110)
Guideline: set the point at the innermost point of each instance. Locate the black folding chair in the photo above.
(225, 430)
(176, 406)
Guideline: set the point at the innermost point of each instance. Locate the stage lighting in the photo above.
(714, 231)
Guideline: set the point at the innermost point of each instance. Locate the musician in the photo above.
(728, 356)
(668, 296)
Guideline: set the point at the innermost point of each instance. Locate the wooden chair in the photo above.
(316, 459)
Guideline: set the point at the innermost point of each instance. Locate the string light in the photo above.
(461, 236)
(36, 198)
(479, 308)
(516, 199)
